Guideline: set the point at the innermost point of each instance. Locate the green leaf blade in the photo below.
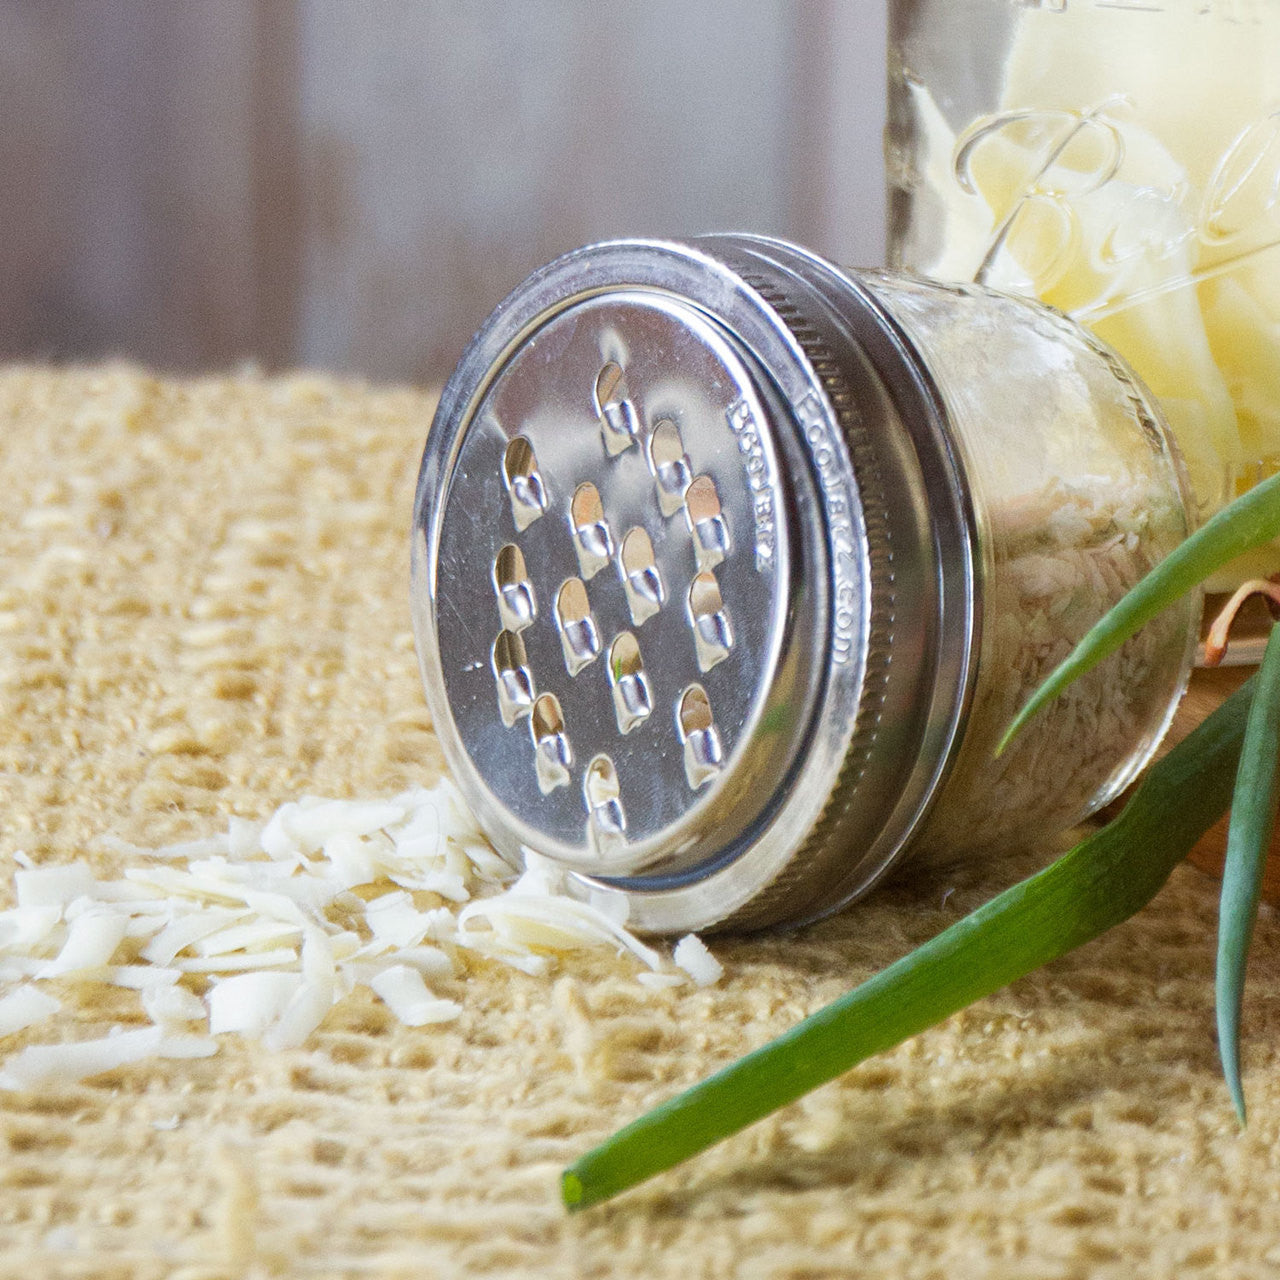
(1099, 883)
(1246, 523)
(1253, 817)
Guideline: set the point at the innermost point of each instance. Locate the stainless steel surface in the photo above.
(693, 580)
(626, 612)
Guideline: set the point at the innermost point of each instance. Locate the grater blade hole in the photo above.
(632, 699)
(514, 678)
(524, 482)
(640, 576)
(703, 750)
(712, 631)
(517, 603)
(670, 466)
(591, 537)
(619, 421)
(579, 637)
(706, 522)
(553, 757)
(606, 819)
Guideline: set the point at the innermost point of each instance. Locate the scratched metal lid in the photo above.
(692, 580)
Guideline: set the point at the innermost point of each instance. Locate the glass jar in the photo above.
(1078, 496)
(730, 567)
(1120, 161)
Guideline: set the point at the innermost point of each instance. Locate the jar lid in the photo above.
(693, 580)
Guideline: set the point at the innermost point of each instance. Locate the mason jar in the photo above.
(1121, 162)
(730, 567)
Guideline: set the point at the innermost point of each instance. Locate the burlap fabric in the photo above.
(203, 611)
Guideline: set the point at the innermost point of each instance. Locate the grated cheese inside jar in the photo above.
(1077, 493)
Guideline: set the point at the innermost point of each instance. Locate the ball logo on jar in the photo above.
(1074, 206)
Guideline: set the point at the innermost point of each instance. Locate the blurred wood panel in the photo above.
(194, 182)
(178, 107)
(33, 229)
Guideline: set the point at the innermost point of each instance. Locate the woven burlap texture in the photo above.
(203, 612)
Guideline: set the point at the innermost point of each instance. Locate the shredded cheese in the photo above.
(261, 931)
(25, 1007)
(408, 997)
(692, 956)
(65, 1063)
(250, 1002)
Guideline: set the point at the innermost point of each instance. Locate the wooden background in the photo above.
(193, 183)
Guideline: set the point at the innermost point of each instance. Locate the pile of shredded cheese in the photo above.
(275, 924)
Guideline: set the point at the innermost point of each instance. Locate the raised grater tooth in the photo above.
(553, 757)
(524, 483)
(619, 421)
(632, 697)
(606, 819)
(706, 521)
(670, 466)
(712, 631)
(510, 664)
(579, 636)
(703, 751)
(517, 604)
(641, 578)
(592, 540)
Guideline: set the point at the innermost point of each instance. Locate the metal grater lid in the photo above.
(693, 580)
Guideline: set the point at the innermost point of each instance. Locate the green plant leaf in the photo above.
(1102, 881)
(1246, 523)
(1253, 817)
